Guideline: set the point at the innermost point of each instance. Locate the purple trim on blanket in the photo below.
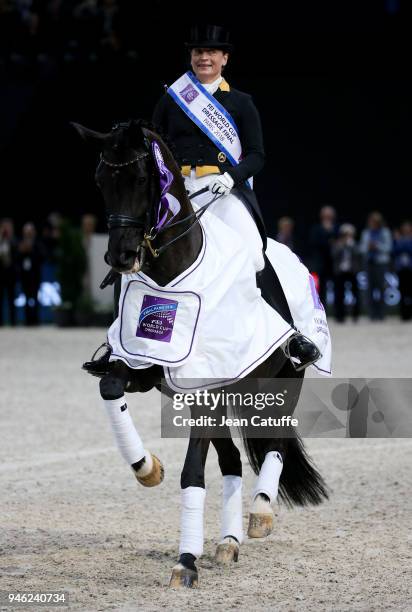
(161, 291)
(229, 380)
(321, 369)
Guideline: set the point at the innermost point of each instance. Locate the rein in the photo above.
(196, 216)
(114, 221)
(117, 220)
(126, 221)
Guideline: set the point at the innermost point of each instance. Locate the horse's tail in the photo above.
(300, 483)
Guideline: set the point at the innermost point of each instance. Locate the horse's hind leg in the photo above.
(146, 467)
(231, 532)
(265, 493)
(185, 574)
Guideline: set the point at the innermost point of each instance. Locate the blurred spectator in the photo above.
(8, 268)
(376, 246)
(346, 263)
(50, 238)
(88, 225)
(322, 238)
(286, 226)
(402, 251)
(31, 256)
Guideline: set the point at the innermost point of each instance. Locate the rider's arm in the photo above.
(252, 143)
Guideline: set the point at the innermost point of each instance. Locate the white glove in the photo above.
(221, 184)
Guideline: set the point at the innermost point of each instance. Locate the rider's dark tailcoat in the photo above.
(194, 149)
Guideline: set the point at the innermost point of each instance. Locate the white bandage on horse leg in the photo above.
(127, 438)
(268, 479)
(232, 508)
(191, 521)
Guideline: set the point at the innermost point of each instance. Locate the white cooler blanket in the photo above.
(211, 321)
(305, 306)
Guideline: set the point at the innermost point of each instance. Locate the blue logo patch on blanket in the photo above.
(156, 319)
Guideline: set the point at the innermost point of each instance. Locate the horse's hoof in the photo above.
(155, 477)
(183, 577)
(260, 525)
(226, 552)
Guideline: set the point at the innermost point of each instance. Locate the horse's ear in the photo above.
(138, 135)
(148, 137)
(135, 134)
(95, 139)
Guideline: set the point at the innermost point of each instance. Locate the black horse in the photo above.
(128, 177)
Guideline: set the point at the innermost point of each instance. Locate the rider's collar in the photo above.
(224, 85)
(217, 84)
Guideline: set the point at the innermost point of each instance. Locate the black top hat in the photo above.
(208, 36)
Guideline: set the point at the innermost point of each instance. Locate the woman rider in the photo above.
(203, 142)
(222, 153)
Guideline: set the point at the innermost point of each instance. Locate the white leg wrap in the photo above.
(232, 508)
(191, 521)
(268, 479)
(127, 438)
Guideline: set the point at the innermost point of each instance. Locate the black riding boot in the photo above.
(101, 366)
(301, 351)
(298, 347)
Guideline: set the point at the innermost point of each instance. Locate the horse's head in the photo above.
(135, 182)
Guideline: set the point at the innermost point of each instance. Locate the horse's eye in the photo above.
(141, 180)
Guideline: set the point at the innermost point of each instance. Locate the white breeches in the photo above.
(232, 212)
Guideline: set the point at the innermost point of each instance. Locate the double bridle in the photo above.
(117, 220)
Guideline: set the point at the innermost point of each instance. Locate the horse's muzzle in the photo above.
(125, 262)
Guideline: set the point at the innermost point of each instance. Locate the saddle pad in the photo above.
(156, 324)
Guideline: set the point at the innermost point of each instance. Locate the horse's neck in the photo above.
(180, 255)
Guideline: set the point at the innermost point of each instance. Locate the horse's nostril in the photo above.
(108, 259)
(127, 258)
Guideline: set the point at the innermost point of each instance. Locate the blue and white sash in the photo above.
(208, 114)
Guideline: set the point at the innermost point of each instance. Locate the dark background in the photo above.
(331, 80)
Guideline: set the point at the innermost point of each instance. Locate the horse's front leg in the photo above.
(146, 467)
(184, 573)
(231, 532)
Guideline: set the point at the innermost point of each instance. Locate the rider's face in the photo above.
(208, 64)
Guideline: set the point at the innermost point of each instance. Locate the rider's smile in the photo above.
(208, 64)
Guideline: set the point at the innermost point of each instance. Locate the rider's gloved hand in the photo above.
(221, 184)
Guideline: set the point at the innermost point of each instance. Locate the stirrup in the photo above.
(101, 366)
